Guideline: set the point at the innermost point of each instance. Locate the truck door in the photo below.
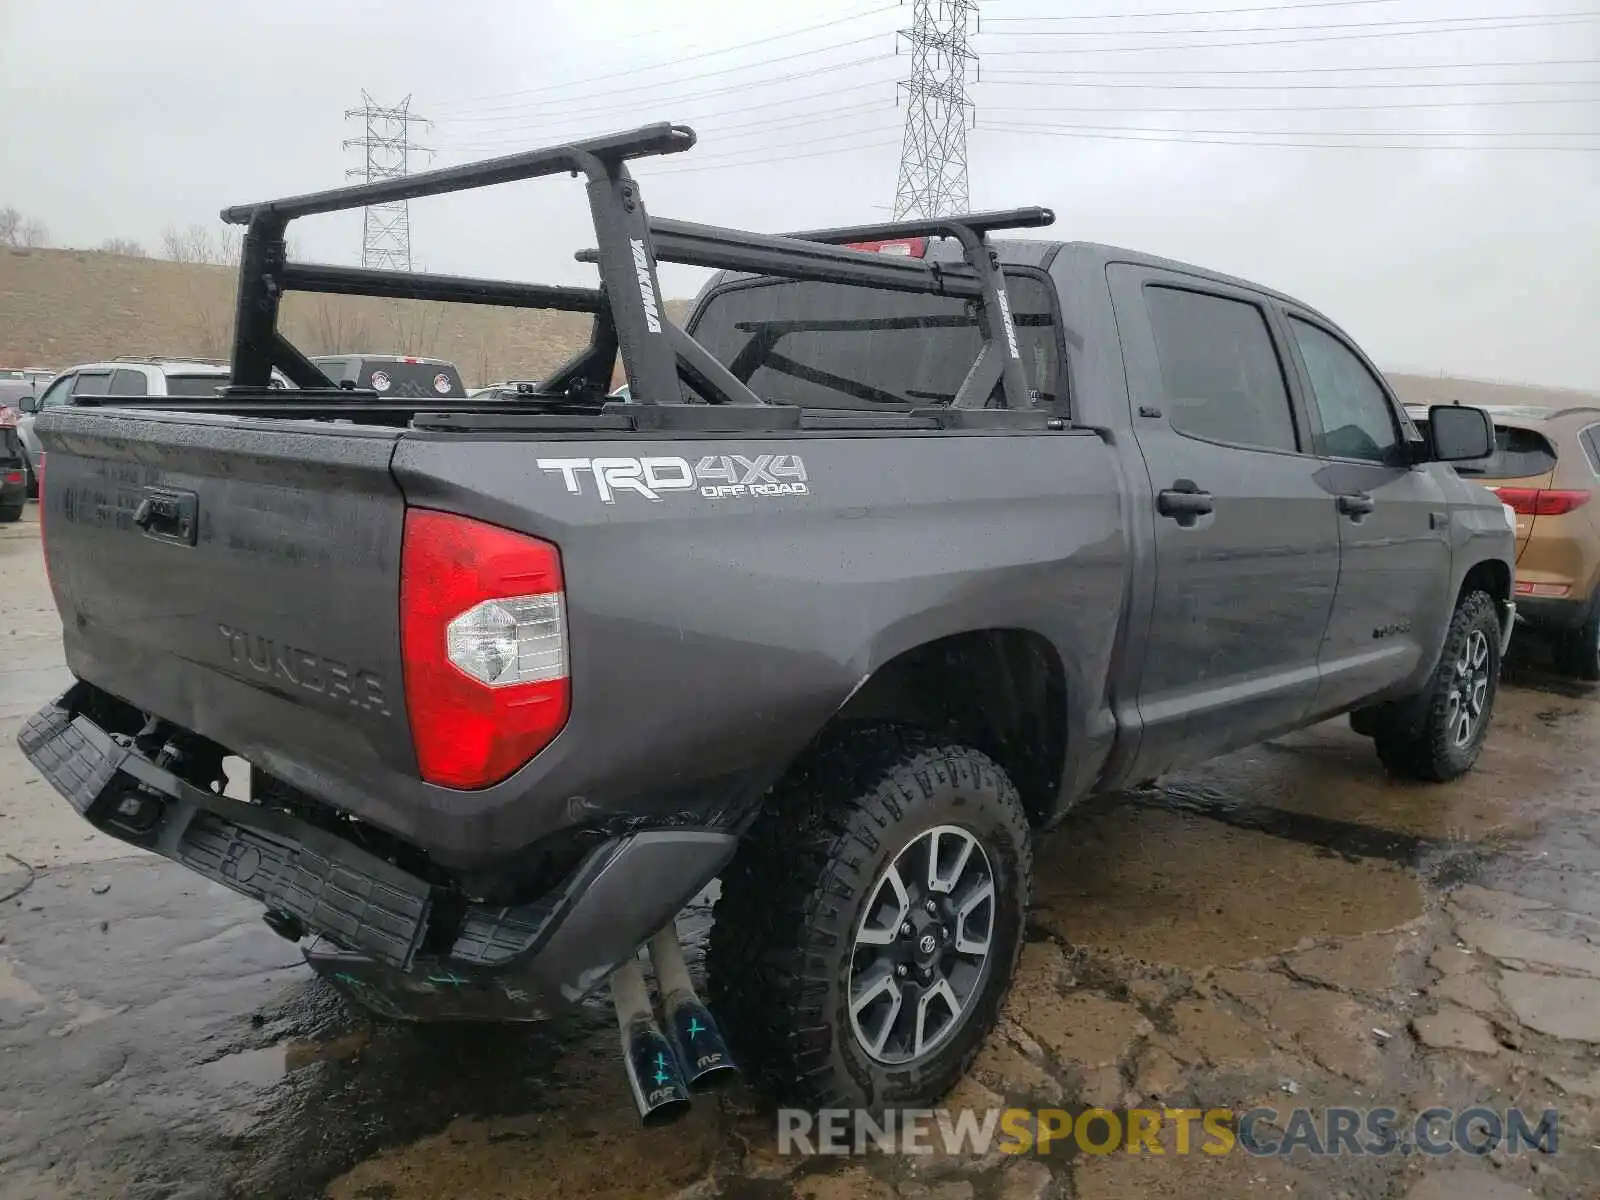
(1246, 543)
(1393, 601)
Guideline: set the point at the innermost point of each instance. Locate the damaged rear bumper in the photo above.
(381, 928)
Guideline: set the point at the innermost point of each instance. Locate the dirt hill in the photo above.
(59, 307)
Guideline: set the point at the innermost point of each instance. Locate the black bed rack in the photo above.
(629, 315)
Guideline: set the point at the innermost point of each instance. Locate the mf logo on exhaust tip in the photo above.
(716, 476)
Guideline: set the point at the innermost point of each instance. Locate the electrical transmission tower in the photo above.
(387, 148)
(933, 157)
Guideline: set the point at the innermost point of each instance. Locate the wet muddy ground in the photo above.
(1281, 927)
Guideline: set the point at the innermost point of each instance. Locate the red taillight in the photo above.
(14, 477)
(1542, 502)
(1527, 588)
(904, 247)
(483, 637)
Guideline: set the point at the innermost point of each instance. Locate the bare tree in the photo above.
(10, 226)
(199, 244)
(126, 247)
(331, 327)
(415, 326)
(35, 233)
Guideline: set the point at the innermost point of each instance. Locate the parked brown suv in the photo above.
(1546, 466)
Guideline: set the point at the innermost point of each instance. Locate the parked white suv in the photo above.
(178, 377)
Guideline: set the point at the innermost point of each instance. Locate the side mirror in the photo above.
(1459, 433)
(29, 404)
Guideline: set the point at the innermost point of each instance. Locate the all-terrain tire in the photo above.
(1577, 651)
(12, 513)
(1420, 738)
(783, 939)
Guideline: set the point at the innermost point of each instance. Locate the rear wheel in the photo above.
(1437, 735)
(869, 926)
(1577, 652)
(11, 513)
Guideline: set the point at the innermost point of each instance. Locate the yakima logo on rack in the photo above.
(1005, 316)
(647, 293)
(715, 476)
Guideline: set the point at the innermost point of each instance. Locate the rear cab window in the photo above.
(838, 346)
(195, 386)
(1518, 454)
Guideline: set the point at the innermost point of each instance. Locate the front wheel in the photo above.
(1438, 734)
(10, 513)
(869, 925)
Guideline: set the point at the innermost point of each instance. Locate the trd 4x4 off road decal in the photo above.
(716, 476)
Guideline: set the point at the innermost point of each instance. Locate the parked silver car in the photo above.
(178, 377)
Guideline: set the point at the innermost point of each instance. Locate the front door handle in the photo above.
(1357, 505)
(1184, 502)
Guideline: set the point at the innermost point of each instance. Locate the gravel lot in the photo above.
(1282, 927)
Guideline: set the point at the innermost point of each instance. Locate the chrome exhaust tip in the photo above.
(649, 1059)
(702, 1051)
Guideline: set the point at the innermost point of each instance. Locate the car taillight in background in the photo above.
(903, 247)
(15, 477)
(1527, 588)
(484, 642)
(1542, 502)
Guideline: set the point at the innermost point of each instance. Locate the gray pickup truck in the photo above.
(906, 541)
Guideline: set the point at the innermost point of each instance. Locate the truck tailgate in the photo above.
(239, 578)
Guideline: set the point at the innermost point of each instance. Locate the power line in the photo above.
(764, 162)
(1194, 12)
(1052, 131)
(495, 114)
(1277, 87)
(1585, 14)
(717, 130)
(1484, 66)
(1302, 41)
(1311, 108)
(522, 124)
(1341, 133)
(386, 148)
(933, 153)
(682, 58)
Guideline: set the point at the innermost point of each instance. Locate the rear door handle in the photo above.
(1357, 505)
(1184, 502)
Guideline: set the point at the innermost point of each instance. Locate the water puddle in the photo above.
(270, 1065)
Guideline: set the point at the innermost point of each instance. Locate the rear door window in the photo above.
(1591, 447)
(1518, 454)
(1220, 372)
(129, 383)
(832, 345)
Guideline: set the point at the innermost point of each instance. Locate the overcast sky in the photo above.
(1474, 248)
